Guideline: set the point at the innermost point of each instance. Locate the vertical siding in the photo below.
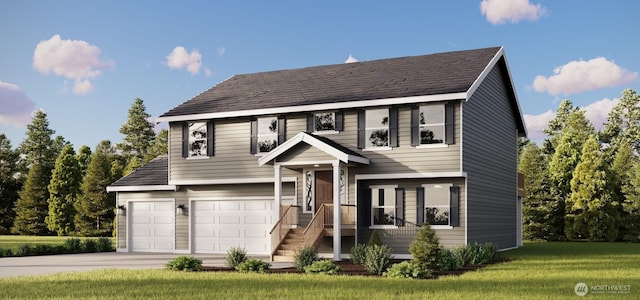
(490, 160)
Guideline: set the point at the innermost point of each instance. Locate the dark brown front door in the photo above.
(324, 188)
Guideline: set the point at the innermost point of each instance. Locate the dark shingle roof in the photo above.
(154, 172)
(440, 73)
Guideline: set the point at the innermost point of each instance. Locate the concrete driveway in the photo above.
(50, 264)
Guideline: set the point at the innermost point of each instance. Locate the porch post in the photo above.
(337, 225)
(277, 190)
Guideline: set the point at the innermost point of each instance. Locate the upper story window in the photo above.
(378, 128)
(267, 133)
(433, 124)
(197, 139)
(325, 122)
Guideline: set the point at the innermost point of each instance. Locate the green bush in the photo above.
(23, 250)
(476, 254)
(45, 249)
(374, 239)
(425, 249)
(235, 256)
(184, 263)
(5, 252)
(89, 245)
(253, 265)
(73, 245)
(304, 257)
(449, 261)
(464, 254)
(377, 259)
(324, 266)
(406, 269)
(104, 244)
(358, 254)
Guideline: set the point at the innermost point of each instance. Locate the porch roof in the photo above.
(326, 145)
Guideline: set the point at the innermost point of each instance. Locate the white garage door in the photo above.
(219, 225)
(152, 228)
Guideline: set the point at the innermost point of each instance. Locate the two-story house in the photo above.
(325, 155)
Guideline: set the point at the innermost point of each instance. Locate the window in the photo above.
(431, 124)
(387, 206)
(325, 122)
(438, 204)
(267, 134)
(197, 139)
(378, 128)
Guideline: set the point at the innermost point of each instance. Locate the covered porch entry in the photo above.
(324, 166)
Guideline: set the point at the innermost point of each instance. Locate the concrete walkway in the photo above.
(51, 264)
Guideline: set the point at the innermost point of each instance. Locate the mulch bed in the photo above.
(349, 268)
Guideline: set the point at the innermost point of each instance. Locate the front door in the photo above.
(324, 188)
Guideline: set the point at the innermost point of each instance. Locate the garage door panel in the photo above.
(233, 220)
(205, 220)
(257, 205)
(152, 226)
(255, 220)
(255, 233)
(230, 233)
(229, 205)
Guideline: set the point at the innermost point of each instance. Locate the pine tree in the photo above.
(138, 133)
(83, 157)
(159, 146)
(10, 183)
(95, 207)
(631, 204)
(38, 147)
(31, 207)
(425, 249)
(623, 124)
(63, 190)
(591, 213)
(556, 126)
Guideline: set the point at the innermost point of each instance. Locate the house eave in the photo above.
(307, 138)
(142, 188)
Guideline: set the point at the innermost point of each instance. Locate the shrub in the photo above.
(23, 250)
(304, 257)
(44, 249)
(324, 266)
(374, 239)
(104, 244)
(406, 269)
(184, 263)
(89, 245)
(425, 249)
(73, 245)
(483, 253)
(449, 260)
(358, 254)
(464, 255)
(253, 265)
(5, 252)
(377, 259)
(235, 256)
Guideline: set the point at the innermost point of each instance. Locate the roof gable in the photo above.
(328, 146)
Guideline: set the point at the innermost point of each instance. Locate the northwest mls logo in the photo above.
(581, 289)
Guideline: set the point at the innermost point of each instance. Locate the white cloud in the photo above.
(16, 106)
(73, 59)
(501, 11)
(537, 123)
(580, 76)
(180, 58)
(207, 72)
(350, 59)
(598, 112)
(221, 51)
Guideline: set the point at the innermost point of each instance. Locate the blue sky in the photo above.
(84, 62)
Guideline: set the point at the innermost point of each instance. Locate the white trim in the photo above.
(466, 214)
(337, 223)
(316, 107)
(443, 227)
(197, 157)
(386, 148)
(231, 198)
(306, 163)
(410, 175)
(382, 226)
(305, 137)
(326, 132)
(128, 205)
(230, 181)
(429, 146)
(140, 188)
(507, 249)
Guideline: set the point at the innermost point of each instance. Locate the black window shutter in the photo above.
(211, 131)
(454, 206)
(361, 129)
(310, 127)
(282, 130)
(449, 124)
(415, 126)
(393, 126)
(366, 208)
(185, 139)
(400, 207)
(254, 137)
(419, 206)
(339, 121)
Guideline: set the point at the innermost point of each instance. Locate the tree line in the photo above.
(584, 184)
(47, 188)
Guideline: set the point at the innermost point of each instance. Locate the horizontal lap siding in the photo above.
(303, 152)
(490, 160)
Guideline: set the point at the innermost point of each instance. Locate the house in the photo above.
(324, 155)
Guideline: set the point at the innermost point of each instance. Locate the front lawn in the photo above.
(14, 242)
(536, 271)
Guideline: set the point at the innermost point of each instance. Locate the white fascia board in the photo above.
(305, 137)
(315, 107)
(230, 181)
(281, 149)
(142, 188)
(410, 175)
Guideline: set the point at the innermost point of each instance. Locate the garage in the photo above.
(151, 226)
(218, 225)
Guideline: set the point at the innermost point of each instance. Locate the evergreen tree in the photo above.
(138, 133)
(618, 178)
(63, 190)
(631, 204)
(95, 207)
(623, 124)
(10, 183)
(31, 207)
(83, 157)
(159, 146)
(38, 146)
(556, 126)
(591, 213)
(537, 205)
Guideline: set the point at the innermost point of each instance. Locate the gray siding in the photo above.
(400, 238)
(490, 160)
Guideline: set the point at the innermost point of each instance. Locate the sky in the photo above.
(84, 62)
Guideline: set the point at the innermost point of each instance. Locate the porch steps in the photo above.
(287, 249)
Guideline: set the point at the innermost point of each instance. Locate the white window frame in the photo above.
(263, 136)
(427, 124)
(375, 189)
(367, 129)
(329, 131)
(446, 186)
(192, 140)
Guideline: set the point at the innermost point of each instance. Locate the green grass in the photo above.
(536, 271)
(13, 242)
